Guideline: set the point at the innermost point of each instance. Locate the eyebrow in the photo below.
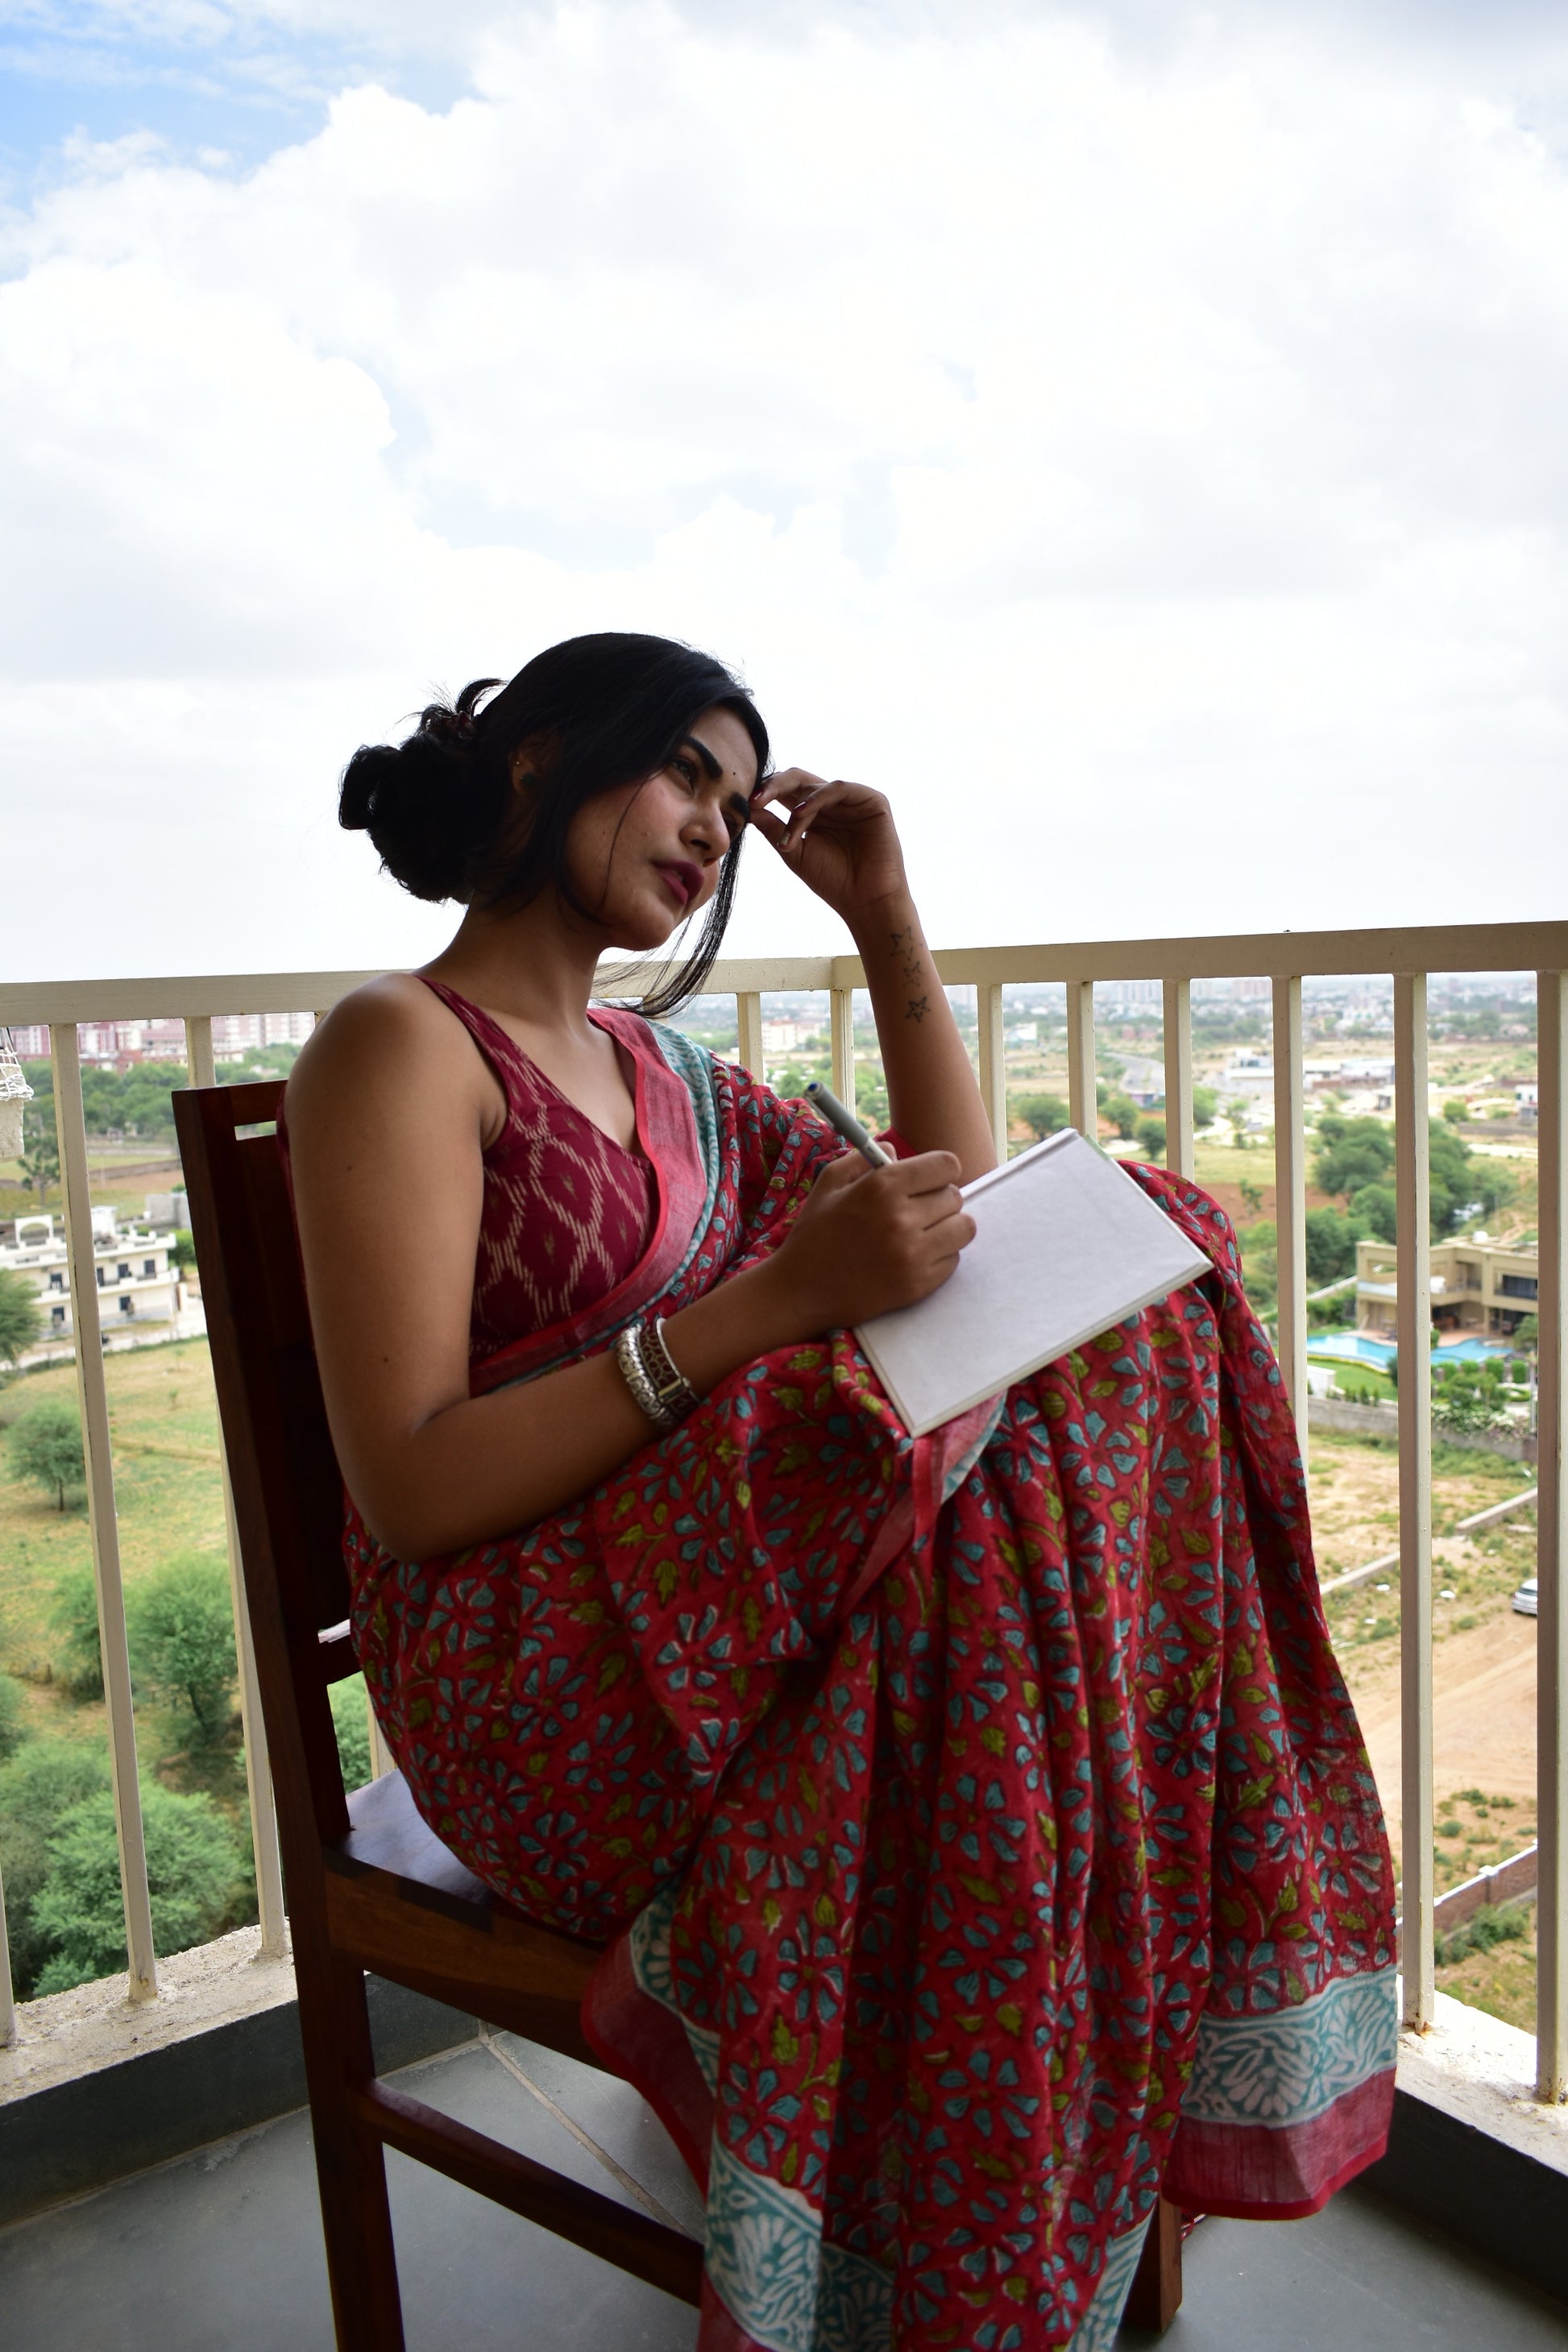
(712, 768)
(739, 803)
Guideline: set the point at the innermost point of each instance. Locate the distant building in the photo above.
(785, 1036)
(137, 1281)
(1478, 1285)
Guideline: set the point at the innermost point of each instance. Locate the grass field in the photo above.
(168, 1487)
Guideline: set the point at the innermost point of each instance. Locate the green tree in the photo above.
(352, 1724)
(1527, 1332)
(1331, 1237)
(13, 1725)
(1150, 1133)
(1122, 1113)
(196, 1868)
(38, 1787)
(21, 1324)
(1206, 1105)
(1455, 1110)
(77, 1665)
(45, 1445)
(1463, 1181)
(40, 1151)
(1260, 1267)
(1237, 1113)
(181, 1626)
(1351, 1154)
(182, 1250)
(1043, 1115)
(1375, 1209)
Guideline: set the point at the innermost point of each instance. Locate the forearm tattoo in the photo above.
(907, 949)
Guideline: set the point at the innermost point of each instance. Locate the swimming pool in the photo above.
(1363, 1348)
(1353, 1348)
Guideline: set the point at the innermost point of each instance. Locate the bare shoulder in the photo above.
(391, 1037)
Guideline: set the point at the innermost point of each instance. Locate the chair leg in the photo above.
(1155, 2296)
(350, 2164)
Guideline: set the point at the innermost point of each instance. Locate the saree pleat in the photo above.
(978, 1826)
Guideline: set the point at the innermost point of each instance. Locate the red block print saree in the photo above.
(977, 1827)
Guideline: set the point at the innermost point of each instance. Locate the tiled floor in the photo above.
(224, 2249)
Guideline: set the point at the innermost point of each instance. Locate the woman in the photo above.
(977, 1827)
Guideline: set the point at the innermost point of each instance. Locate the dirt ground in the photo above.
(1483, 1652)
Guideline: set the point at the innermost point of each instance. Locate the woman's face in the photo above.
(646, 856)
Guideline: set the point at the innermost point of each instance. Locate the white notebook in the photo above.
(1065, 1245)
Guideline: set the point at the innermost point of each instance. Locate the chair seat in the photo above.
(388, 1832)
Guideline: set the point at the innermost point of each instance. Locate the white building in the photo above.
(138, 1283)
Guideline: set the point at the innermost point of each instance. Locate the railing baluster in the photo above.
(269, 1908)
(993, 1062)
(1290, 1196)
(1083, 1107)
(92, 1394)
(8, 1998)
(1551, 1541)
(749, 1030)
(842, 1044)
(1179, 1145)
(1414, 1279)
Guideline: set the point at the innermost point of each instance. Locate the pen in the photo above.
(847, 1125)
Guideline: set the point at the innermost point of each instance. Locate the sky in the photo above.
(1129, 435)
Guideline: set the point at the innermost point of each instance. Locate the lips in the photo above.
(682, 880)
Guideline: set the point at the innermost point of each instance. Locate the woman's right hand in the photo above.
(871, 1239)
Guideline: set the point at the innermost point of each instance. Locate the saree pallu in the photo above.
(978, 1825)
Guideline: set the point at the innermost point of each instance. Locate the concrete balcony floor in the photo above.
(223, 2249)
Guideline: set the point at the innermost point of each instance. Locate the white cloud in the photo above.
(1140, 453)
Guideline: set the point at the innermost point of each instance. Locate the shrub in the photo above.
(352, 1724)
(181, 1625)
(39, 1786)
(79, 1665)
(45, 1445)
(21, 1323)
(1152, 1137)
(195, 1868)
(13, 1725)
(1043, 1115)
(1488, 1928)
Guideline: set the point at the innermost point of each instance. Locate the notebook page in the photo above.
(1066, 1245)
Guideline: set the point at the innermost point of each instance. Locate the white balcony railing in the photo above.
(1408, 955)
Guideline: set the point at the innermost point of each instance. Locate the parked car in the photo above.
(1525, 1598)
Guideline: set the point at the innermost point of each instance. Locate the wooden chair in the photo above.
(369, 1886)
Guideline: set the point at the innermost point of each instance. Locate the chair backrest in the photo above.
(287, 1489)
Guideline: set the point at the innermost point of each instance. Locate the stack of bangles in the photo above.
(648, 1369)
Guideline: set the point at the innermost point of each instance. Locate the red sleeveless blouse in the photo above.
(568, 1212)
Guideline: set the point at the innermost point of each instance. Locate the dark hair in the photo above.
(611, 709)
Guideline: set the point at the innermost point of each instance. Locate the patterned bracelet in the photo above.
(634, 1372)
(674, 1392)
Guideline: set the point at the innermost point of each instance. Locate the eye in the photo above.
(685, 768)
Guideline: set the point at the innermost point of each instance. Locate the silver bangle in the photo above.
(674, 1391)
(645, 1396)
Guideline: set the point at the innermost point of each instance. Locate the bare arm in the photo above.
(388, 1111)
(841, 840)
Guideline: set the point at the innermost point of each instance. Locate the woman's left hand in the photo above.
(840, 839)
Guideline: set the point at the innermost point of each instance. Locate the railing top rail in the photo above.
(1429, 947)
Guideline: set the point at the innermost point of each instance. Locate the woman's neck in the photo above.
(535, 965)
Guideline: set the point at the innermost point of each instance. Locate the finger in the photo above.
(931, 1172)
(848, 1169)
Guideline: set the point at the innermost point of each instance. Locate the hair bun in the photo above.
(425, 804)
